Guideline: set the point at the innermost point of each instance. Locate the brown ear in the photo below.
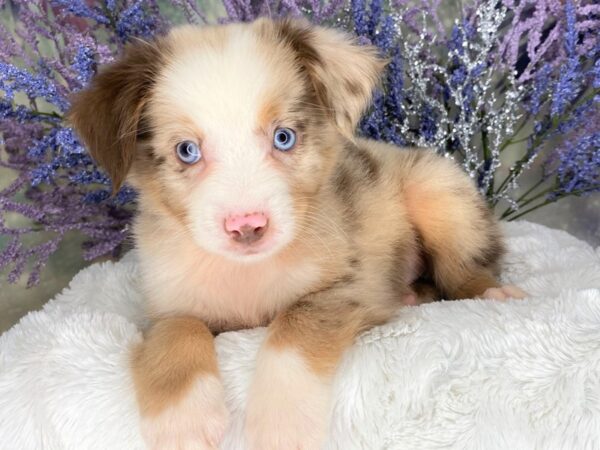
(106, 114)
(343, 73)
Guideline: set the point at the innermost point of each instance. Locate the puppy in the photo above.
(259, 207)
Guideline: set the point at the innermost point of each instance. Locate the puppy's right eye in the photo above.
(284, 139)
(188, 152)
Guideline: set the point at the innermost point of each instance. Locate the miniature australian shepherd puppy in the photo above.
(258, 206)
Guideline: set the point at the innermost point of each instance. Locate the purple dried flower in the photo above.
(385, 37)
(429, 123)
(10, 253)
(568, 85)
(55, 175)
(576, 167)
(371, 123)
(536, 34)
(247, 10)
(193, 13)
(540, 89)
(84, 64)
(14, 79)
(458, 76)
(455, 43)
(596, 75)
(578, 117)
(374, 20)
(360, 17)
(81, 8)
(137, 19)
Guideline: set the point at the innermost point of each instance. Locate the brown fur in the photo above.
(320, 329)
(343, 90)
(475, 284)
(174, 353)
(455, 225)
(107, 114)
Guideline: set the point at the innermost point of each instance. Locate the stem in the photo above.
(531, 189)
(505, 181)
(535, 197)
(486, 155)
(110, 17)
(34, 110)
(523, 123)
(510, 141)
(540, 138)
(510, 211)
(53, 114)
(531, 209)
(559, 197)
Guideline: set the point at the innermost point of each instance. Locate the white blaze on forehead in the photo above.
(219, 87)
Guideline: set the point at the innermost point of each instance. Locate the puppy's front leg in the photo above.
(289, 399)
(178, 386)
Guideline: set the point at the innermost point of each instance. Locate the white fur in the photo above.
(197, 422)
(264, 286)
(288, 405)
(450, 375)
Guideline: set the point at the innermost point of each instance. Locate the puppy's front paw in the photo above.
(195, 422)
(288, 405)
(504, 293)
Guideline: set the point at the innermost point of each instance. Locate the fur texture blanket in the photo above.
(465, 375)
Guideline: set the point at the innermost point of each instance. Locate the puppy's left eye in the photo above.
(284, 139)
(188, 152)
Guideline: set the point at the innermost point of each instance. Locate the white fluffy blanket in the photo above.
(465, 375)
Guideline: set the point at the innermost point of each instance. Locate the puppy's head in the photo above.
(231, 129)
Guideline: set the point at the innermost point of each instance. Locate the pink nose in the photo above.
(248, 228)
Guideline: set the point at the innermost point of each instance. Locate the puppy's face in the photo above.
(232, 130)
(245, 119)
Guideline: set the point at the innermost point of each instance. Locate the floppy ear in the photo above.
(106, 114)
(342, 72)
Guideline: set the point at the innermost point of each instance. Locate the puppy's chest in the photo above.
(229, 297)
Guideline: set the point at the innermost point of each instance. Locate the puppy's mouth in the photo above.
(249, 254)
(253, 248)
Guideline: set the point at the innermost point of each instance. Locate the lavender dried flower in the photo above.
(52, 50)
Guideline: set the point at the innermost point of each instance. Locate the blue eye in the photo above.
(188, 152)
(284, 139)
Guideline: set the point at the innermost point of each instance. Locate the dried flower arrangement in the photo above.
(519, 74)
